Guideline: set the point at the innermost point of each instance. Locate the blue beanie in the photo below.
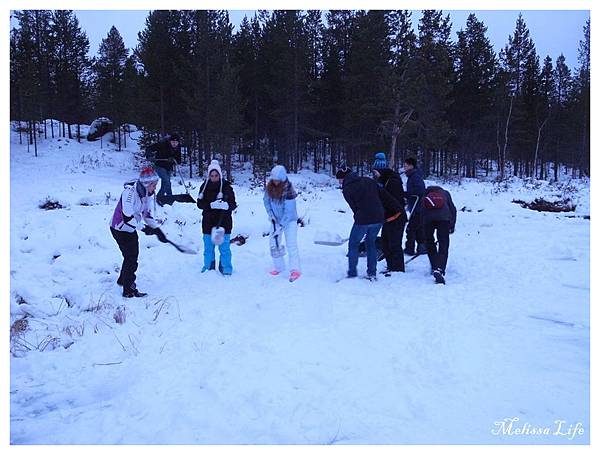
(380, 161)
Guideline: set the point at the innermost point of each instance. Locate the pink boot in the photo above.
(274, 272)
(294, 275)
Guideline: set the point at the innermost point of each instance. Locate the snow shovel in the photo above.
(163, 239)
(414, 207)
(277, 249)
(329, 239)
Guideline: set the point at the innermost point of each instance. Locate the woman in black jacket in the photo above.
(216, 199)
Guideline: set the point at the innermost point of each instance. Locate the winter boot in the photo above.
(129, 293)
(210, 267)
(294, 275)
(438, 274)
(274, 272)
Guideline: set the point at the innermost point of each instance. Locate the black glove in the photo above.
(451, 230)
(161, 235)
(155, 231)
(148, 230)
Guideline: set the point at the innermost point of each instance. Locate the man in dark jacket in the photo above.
(163, 154)
(216, 199)
(439, 217)
(415, 187)
(362, 195)
(395, 216)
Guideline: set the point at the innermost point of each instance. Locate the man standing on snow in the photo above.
(439, 217)
(415, 188)
(164, 154)
(362, 195)
(395, 215)
(135, 205)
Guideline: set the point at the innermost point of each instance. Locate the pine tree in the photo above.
(155, 52)
(433, 76)
(581, 106)
(369, 60)
(71, 67)
(545, 113)
(403, 101)
(472, 117)
(518, 59)
(110, 77)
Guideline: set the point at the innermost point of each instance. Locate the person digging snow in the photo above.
(216, 199)
(395, 215)
(280, 203)
(415, 187)
(135, 205)
(439, 217)
(362, 195)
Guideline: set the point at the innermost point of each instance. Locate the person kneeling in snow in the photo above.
(135, 204)
(439, 216)
(280, 203)
(216, 200)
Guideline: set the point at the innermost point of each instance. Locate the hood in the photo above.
(352, 177)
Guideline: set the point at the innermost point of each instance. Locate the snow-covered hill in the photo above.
(255, 359)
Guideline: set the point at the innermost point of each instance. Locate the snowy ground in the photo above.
(256, 359)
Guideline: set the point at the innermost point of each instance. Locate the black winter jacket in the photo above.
(391, 183)
(446, 213)
(163, 154)
(216, 217)
(362, 195)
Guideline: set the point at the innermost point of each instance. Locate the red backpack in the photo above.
(435, 199)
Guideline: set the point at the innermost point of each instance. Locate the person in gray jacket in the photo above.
(438, 216)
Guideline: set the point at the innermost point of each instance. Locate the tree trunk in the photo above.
(537, 147)
(506, 137)
(34, 139)
(162, 111)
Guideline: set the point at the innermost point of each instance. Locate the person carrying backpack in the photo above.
(216, 199)
(439, 217)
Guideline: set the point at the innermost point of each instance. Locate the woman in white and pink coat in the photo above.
(280, 203)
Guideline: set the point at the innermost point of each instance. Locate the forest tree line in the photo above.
(313, 88)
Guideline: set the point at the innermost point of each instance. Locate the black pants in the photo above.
(414, 231)
(391, 242)
(438, 256)
(130, 249)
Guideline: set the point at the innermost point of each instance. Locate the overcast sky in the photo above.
(553, 32)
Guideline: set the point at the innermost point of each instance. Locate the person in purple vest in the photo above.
(135, 205)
